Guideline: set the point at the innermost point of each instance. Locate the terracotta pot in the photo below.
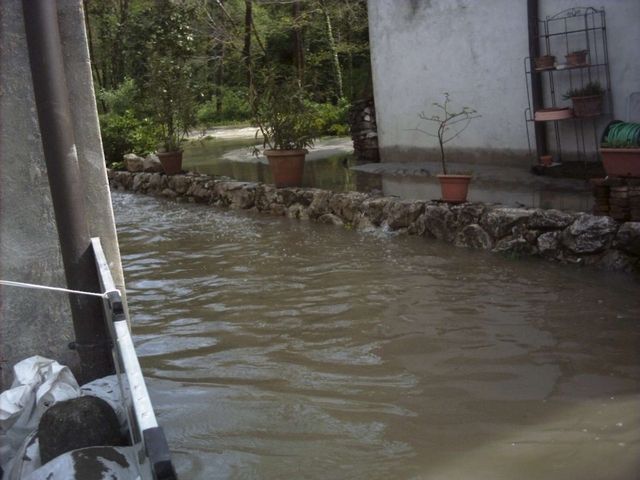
(621, 162)
(287, 166)
(546, 160)
(454, 187)
(587, 106)
(576, 59)
(547, 61)
(171, 162)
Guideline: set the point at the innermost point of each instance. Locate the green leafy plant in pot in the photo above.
(454, 187)
(587, 100)
(166, 76)
(288, 126)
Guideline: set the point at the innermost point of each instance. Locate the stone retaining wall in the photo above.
(567, 237)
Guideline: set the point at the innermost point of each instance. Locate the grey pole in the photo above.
(61, 158)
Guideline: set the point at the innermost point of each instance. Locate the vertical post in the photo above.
(61, 158)
(536, 79)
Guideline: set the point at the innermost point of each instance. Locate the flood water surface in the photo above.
(276, 349)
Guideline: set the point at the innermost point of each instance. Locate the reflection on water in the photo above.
(283, 349)
(331, 173)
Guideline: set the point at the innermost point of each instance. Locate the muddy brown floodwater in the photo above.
(280, 349)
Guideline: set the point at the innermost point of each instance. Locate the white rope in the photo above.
(54, 289)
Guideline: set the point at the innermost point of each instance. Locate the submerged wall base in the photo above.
(567, 237)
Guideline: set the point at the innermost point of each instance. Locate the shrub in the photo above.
(125, 133)
(235, 108)
(332, 119)
(120, 100)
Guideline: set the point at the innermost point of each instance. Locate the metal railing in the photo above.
(147, 437)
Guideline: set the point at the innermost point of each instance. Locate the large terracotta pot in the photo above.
(587, 106)
(621, 162)
(171, 162)
(287, 166)
(454, 187)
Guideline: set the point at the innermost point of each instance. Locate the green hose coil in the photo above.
(623, 135)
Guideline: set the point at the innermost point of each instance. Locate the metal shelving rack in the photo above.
(581, 28)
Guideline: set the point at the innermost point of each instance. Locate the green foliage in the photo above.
(164, 68)
(118, 166)
(284, 116)
(235, 108)
(332, 119)
(590, 89)
(122, 134)
(119, 100)
(199, 45)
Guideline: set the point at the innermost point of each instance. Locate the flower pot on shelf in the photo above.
(454, 188)
(171, 162)
(287, 166)
(621, 162)
(546, 160)
(588, 106)
(577, 59)
(545, 62)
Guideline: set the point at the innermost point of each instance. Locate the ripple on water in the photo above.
(285, 349)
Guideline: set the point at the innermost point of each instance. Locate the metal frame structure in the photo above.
(583, 28)
(147, 437)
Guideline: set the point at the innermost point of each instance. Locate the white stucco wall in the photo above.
(31, 321)
(475, 51)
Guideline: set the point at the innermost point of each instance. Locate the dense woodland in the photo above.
(220, 54)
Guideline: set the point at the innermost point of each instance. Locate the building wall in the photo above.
(32, 321)
(475, 51)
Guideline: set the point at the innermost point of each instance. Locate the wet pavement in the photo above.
(331, 165)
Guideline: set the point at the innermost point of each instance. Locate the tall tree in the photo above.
(246, 52)
(337, 71)
(298, 42)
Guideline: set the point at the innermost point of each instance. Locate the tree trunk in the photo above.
(248, 20)
(298, 43)
(92, 56)
(334, 52)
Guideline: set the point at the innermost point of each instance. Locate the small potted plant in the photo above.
(454, 187)
(576, 58)
(620, 149)
(545, 62)
(288, 126)
(587, 100)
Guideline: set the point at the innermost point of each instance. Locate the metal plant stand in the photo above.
(572, 138)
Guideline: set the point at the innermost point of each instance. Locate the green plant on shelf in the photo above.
(589, 90)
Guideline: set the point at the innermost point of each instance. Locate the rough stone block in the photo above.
(473, 236)
(331, 219)
(152, 164)
(403, 213)
(134, 163)
(500, 222)
(590, 234)
(552, 219)
(628, 238)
